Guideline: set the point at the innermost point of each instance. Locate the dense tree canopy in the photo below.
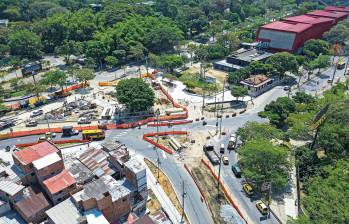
(135, 94)
(25, 44)
(278, 111)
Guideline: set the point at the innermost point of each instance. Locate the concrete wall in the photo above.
(278, 40)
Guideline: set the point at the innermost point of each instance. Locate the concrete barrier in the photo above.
(55, 142)
(164, 148)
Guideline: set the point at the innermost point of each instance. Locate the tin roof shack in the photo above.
(135, 173)
(60, 187)
(97, 161)
(107, 195)
(257, 84)
(11, 173)
(10, 192)
(65, 212)
(80, 172)
(110, 146)
(48, 166)
(32, 208)
(24, 159)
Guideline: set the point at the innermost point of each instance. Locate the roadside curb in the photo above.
(225, 191)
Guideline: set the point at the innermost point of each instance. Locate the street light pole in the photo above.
(183, 197)
(203, 102)
(221, 120)
(157, 113)
(219, 175)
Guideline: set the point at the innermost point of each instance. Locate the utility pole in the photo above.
(215, 111)
(314, 140)
(219, 175)
(220, 125)
(157, 113)
(146, 64)
(203, 102)
(298, 191)
(183, 197)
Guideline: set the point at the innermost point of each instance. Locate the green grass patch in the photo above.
(193, 81)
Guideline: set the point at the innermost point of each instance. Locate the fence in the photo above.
(169, 151)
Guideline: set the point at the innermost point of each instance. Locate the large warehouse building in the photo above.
(291, 33)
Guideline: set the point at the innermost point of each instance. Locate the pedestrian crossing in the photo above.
(121, 134)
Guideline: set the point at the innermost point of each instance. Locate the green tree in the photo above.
(170, 62)
(24, 43)
(111, 61)
(55, 77)
(278, 111)
(322, 61)
(97, 50)
(338, 34)
(68, 48)
(302, 97)
(314, 47)
(238, 91)
(253, 129)
(263, 161)
(84, 75)
(283, 62)
(326, 196)
(135, 94)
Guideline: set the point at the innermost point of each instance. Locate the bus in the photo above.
(92, 135)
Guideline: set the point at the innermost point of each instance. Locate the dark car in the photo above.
(236, 170)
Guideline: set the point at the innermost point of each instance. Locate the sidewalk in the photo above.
(165, 202)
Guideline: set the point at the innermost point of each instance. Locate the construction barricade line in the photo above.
(225, 191)
(164, 148)
(55, 142)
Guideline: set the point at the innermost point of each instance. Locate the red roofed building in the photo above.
(337, 16)
(284, 35)
(291, 33)
(25, 158)
(60, 186)
(337, 8)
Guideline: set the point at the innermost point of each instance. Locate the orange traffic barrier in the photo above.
(169, 151)
(55, 142)
(225, 191)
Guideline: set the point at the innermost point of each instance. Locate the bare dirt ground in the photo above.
(219, 75)
(208, 184)
(153, 204)
(166, 186)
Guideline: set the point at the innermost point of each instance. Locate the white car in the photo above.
(36, 113)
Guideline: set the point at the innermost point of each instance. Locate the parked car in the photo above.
(225, 160)
(84, 120)
(208, 147)
(69, 131)
(236, 170)
(287, 88)
(248, 189)
(50, 135)
(36, 113)
(31, 123)
(263, 208)
(222, 148)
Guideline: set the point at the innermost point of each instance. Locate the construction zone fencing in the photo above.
(169, 151)
(181, 116)
(224, 188)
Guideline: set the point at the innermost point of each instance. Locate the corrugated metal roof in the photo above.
(10, 188)
(97, 161)
(65, 213)
(59, 182)
(29, 206)
(35, 152)
(308, 19)
(286, 26)
(330, 14)
(46, 161)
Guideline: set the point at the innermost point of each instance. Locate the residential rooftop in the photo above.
(135, 165)
(80, 172)
(46, 161)
(95, 216)
(59, 182)
(65, 213)
(97, 161)
(97, 189)
(256, 80)
(35, 152)
(29, 206)
(10, 188)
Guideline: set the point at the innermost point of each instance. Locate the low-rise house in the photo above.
(97, 161)
(24, 159)
(10, 192)
(257, 84)
(32, 208)
(80, 172)
(48, 166)
(65, 212)
(107, 195)
(4, 207)
(60, 187)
